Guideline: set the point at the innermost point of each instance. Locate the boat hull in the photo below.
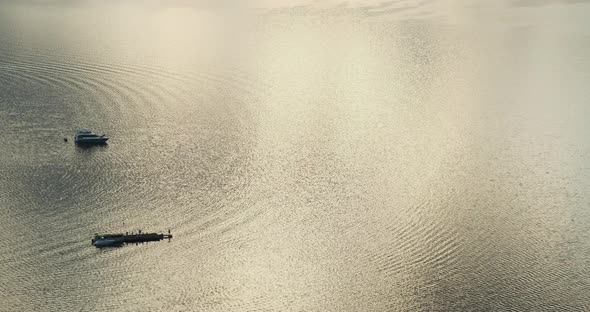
(117, 240)
(97, 141)
(101, 243)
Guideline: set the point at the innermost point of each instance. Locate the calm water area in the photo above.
(410, 155)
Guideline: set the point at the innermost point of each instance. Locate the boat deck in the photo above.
(108, 240)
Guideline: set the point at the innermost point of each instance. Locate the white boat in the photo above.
(89, 137)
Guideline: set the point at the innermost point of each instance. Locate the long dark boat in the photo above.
(117, 240)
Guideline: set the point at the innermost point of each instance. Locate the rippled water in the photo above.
(359, 156)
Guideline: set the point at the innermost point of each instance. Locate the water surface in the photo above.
(359, 156)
